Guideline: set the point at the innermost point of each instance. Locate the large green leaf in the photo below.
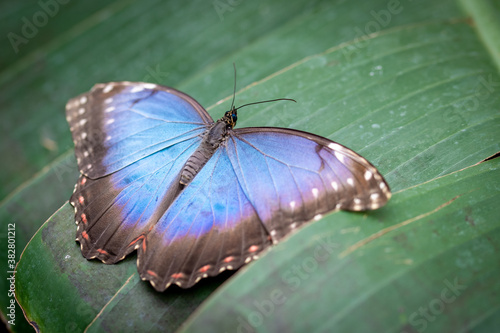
(428, 261)
(414, 88)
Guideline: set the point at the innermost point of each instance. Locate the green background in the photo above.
(411, 85)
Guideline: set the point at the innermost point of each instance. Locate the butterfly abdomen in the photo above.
(211, 141)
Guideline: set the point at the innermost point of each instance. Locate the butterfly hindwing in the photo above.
(209, 228)
(114, 212)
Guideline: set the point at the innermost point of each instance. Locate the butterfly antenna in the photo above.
(271, 100)
(239, 107)
(234, 89)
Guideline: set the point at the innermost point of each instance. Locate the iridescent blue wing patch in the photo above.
(118, 123)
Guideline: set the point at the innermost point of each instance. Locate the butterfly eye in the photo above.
(230, 118)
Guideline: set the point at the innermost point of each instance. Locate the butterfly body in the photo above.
(211, 141)
(195, 197)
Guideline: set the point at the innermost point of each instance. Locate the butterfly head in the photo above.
(230, 117)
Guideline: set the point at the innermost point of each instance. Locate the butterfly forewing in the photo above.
(118, 123)
(291, 177)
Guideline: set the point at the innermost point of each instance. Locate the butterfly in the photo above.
(196, 197)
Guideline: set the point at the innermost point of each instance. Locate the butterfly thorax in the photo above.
(212, 139)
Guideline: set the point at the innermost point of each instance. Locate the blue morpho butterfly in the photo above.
(196, 197)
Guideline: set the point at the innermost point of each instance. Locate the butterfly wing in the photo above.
(291, 177)
(209, 228)
(131, 141)
(118, 123)
(260, 185)
(114, 212)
